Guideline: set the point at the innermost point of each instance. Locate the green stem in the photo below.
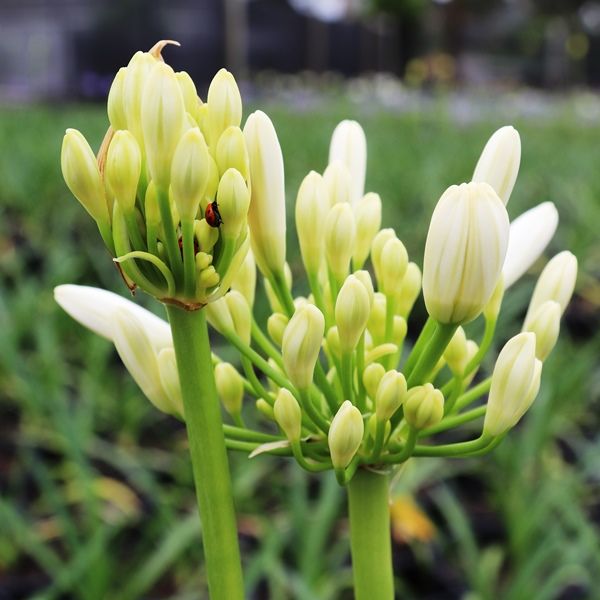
(423, 338)
(361, 401)
(134, 231)
(326, 388)
(189, 258)
(486, 342)
(370, 542)
(473, 394)
(346, 376)
(279, 285)
(315, 288)
(171, 243)
(208, 453)
(454, 421)
(107, 236)
(264, 343)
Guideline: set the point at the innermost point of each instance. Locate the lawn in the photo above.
(96, 489)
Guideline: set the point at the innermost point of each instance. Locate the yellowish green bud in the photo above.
(456, 351)
(219, 316)
(515, 384)
(230, 388)
(409, 290)
(115, 102)
(266, 216)
(399, 329)
(207, 236)
(189, 173)
(240, 314)
(301, 344)
(492, 308)
(265, 409)
(234, 201)
(393, 264)
(367, 214)
(365, 278)
(345, 435)
(82, 176)
(288, 415)
(276, 325)
(123, 168)
(372, 375)
(340, 233)
(203, 260)
(379, 241)
(545, 323)
(472, 349)
(464, 252)
(423, 406)
(169, 379)
(390, 394)
(134, 89)
(206, 278)
(311, 205)
(337, 183)
(232, 153)
(352, 309)
(499, 162)
(349, 145)
(224, 105)
(333, 341)
(245, 279)
(376, 322)
(189, 94)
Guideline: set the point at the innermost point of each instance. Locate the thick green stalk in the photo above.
(209, 456)
(431, 353)
(370, 541)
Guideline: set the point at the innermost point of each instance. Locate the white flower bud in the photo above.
(390, 394)
(115, 103)
(340, 233)
(123, 168)
(367, 214)
(288, 415)
(349, 145)
(423, 406)
(545, 323)
(393, 263)
(230, 388)
(372, 375)
(345, 435)
(352, 309)
(337, 183)
(234, 201)
(224, 105)
(276, 325)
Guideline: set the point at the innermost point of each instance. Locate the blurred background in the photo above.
(96, 496)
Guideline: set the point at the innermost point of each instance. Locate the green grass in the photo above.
(96, 488)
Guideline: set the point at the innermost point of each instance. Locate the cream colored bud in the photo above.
(240, 314)
(232, 153)
(352, 309)
(372, 375)
(528, 237)
(169, 379)
(394, 260)
(207, 236)
(499, 162)
(82, 176)
(345, 435)
(423, 406)
(224, 105)
(337, 183)
(265, 409)
(288, 415)
(365, 278)
(189, 94)
(376, 322)
(210, 193)
(464, 252)
(333, 341)
(390, 394)
(367, 213)
(234, 201)
(409, 290)
(545, 323)
(230, 388)
(311, 206)
(276, 325)
(456, 351)
(494, 304)
(472, 349)
(399, 329)
(515, 384)
(266, 216)
(219, 316)
(340, 233)
(189, 173)
(134, 89)
(245, 279)
(556, 282)
(163, 117)
(115, 103)
(301, 344)
(123, 168)
(349, 145)
(203, 260)
(379, 241)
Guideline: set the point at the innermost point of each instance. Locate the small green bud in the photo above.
(390, 394)
(288, 415)
(345, 435)
(276, 325)
(234, 200)
(333, 342)
(379, 241)
(230, 388)
(372, 375)
(399, 329)
(352, 309)
(455, 353)
(123, 168)
(376, 322)
(423, 406)
(265, 409)
(115, 103)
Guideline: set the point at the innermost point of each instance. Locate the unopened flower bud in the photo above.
(232, 153)
(464, 252)
(265, 409)
(379, 241)
(81, 174)
(169, 379)
(376, 322)
(245, 279)
(230, 388)
(423, 406)
(266, 216)
(189, 173)
(288, 415)
(409, 290)
(224, 105)
(499, 162)
(301, 344)
(492, 308)
(115, 102)
(372, 375)
(390, 394)
(123, 168)
(399, 329)
(352, 309)
(234, 200)
(349, 145)
(210, 193)
(393, 263)
(207, 236)
(276, 325)
(240, 314)
(345, 435)
(337, 183)
(188, 93)
(456, 351)
(340, 233)
(367, 214)
(365, 278)
(545, 323)
(163, 115)
(515, 384)
(219, 316)
(472, 349)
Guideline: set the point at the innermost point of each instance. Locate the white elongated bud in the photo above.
(288, 415)
(499, 162)
(123, 168)
(409, 290)
(266, 216)
(134, 89)
(337, 183)
(169, 379)
(379, 241)
(234, 201)
(82, 176)
(394, 260)
(372, 375)
(349, 145)
(365, 278)
(115, 103)
(301, 344)
(219, 316)
(367, 214)
(515, 384)
(423, 406)
(245, 279)
(163, 115)
(276, 325)
(345, 435)
(464, 252)
(232, 152)
(240, 315)
(352, 309)
(556, 282)
(528, 237)
(545, 323)
(189, 173)
(311, 206)
(224, 105)
(189, 94)
(230, 388)
(340, 233)
(376, 322)
(390, 394)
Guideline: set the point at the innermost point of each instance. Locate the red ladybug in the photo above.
(212, 214)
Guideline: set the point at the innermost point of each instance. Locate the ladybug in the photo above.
(212, 214)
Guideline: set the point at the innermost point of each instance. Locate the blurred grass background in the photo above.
(96, 497)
